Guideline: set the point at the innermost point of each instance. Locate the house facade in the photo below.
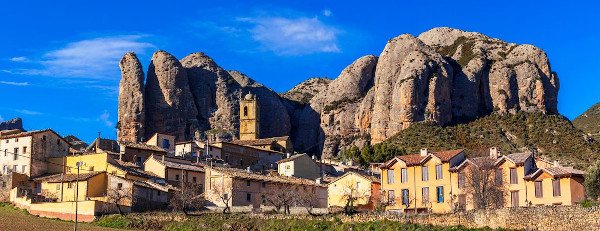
(175, 170)
(27, 152)
(362, 189)
(299, 165)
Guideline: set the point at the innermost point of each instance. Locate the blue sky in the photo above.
(59, 60)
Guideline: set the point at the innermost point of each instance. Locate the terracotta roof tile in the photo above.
(264, 141)
(558, 171)
(144, 147)
(242, 174)
(68, 177)
(176, 165)
(447, 155)
(518, 158)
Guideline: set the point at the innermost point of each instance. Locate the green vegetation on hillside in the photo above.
(589, 121)
(249, 222)
(552, 136)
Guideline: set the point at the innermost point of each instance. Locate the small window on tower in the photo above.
(245, 111)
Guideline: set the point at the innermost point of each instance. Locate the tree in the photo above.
(307, 198)
(188, 198)
(352, 195)
(367, 153)
(592, 181)
(120, 195)
(222, 193)
(282, 198)
(484, 185)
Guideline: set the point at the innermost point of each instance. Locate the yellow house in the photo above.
(363, 189)
(63, 187)
(299, 165)
(420, 182)
(556, 185)
(99, 162)
(513, 168)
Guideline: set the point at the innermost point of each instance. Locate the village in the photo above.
(53, 176)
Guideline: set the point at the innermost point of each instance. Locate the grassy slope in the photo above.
(553, 136)
(12, 218)
(589, 121)
(245, 222)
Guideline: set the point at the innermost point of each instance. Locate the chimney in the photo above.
(314, 157)
(98, 143)
(318, 181)
(248, 169)
(494, 153)
(163, 158)
(424, 151)
(288, 155)
(556, 164)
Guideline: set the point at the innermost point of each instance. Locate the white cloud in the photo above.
(91, 58)
(293, 36)
(326, 12)
(14, 83)
(19, 59)
(105, 118)
(28, 112)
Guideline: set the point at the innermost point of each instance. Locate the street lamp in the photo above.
(78, 164)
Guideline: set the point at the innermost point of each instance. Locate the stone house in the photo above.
(245, 188)
(138, 153)
(174, 170)
(166, 142)
(299, 165)
(241, 156)
(27, 152)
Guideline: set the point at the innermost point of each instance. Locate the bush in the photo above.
(113, 221)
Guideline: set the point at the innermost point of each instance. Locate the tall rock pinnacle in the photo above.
(132, 117)
(170, 107)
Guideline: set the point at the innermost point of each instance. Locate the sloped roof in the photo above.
(517, 158)
(144, 147)
(292, 158)
(131, 168)
(477, 161)
(67, 177)
(30, 133)
(243, 174)
(176, 165)
(365, 176)
(105, 144)
(416, 159)
(264, 141)
(556, 171)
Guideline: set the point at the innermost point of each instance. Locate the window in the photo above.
(23, 168)
(513, 176)
(166, 144)
(440, 194)
(498, 177)
(403, 175)
(177, 177)
(287, 167)
(16, 154)
(5, 152)
(405, 199)
(44, 138)
(248, 197)
(462, 201)
(263, 199)
(514, 198)
(241, 162)
(461, 180)
(226, 158)
(57, 141)
(538, 189)
(264, 184)
(91, 168)
(424, 173)
(119, 186)
(357, 185)
(15, 168)
(438, 172)
(390, 176)
(70, 185)
(16, 140)
(24, 150)
(4, 169)
(556, 187)
(245, 111)
(391, 197)
(425, 195)
(247, 183)
(194, 179)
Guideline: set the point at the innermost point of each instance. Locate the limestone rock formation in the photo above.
(589, 121)
(132, 114)
(215, 92)
(15, 123)
(412, 83)
(306, 90)
(170, 107)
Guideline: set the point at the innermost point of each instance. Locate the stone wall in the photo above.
(528, 218)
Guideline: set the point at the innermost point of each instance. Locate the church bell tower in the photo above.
(249, 118)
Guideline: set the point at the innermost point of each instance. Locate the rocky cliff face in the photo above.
(16, 123)
(170, 107)
(442, 76)
(132, 114)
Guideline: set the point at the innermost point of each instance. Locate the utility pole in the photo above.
(79, 164)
